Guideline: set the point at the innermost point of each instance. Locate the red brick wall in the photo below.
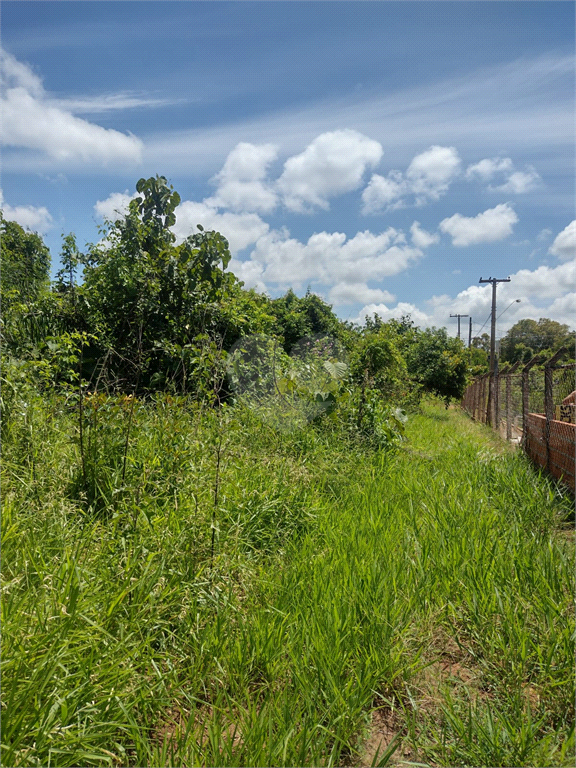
(561, 450)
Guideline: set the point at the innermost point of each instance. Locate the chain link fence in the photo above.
(532, 404)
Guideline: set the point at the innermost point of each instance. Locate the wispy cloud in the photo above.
(508, 104)
(31, 121)
(113, 102)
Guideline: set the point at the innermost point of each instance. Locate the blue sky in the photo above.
(385, 155)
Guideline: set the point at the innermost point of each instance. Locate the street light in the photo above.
(516, 301)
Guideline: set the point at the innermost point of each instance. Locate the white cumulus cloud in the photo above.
(563, 309)
(430, 173)
(564, 245)
(327, 258)
(115, 206)
(35, 219)
(545, 282)
(384, 192)
(543, 292)
(516, 182)
(532, 287)
(487, 227)
(333, 163)
(427, 178)
(240, 229)
(31, 120)
(486, 169)
(519, 182)
(420, 237)
(354, 293)
(241, 183)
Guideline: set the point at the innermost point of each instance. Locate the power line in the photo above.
(488, 318)
(499, 316)
(516, 301)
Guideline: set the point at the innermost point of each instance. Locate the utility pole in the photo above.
(491, 392)
(459, 316)
(470, 332)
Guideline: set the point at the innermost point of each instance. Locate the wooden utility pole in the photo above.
(459, 316)
(491, 387)
(470, 331)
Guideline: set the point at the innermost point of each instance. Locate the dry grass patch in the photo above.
(386, 743)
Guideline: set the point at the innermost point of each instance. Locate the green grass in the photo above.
(432, 588)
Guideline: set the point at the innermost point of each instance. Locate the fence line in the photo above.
(533, 404)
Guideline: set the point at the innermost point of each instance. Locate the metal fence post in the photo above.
(476, 400)
(549, 397)
(496, 422)
(526, 392)
(509, 373)
(479, 398)
(508, 398)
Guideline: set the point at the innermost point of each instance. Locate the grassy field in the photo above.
(226, 594)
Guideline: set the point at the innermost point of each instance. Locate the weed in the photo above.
(252, 596)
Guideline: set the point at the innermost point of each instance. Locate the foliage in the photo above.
(376, 362)
(25, 265)
(482, 342)
(288, 391)
(309, 316)
(528, 338)
(346, 585)
(154, 303)
(24, 281)
(372, 419)
(438, 362)
(477, 359)
(70, 258)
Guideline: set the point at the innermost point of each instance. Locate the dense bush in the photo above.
(139, 313)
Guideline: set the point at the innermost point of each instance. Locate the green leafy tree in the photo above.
(477, 359)
(25, 265)
(376, 362)
(24, 284)
(70, 258)
(482, 342)
(438, 362)
(530, 337)
(308, 316)
(144, 297)
(166, 311)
